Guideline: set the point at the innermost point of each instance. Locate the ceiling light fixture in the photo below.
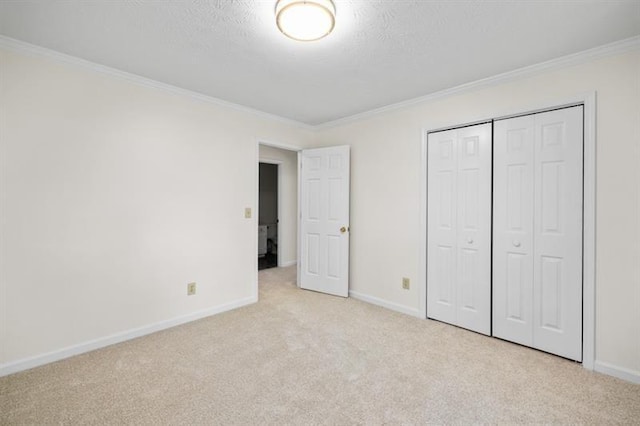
(305, 20)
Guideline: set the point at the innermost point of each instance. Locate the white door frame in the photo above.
(258, 160)
(589, 216)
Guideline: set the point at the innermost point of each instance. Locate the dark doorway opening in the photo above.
(268, 216)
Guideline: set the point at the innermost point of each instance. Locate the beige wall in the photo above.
(114, 196)
(288, 226)
(385, 189)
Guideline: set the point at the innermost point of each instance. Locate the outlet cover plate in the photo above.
(191, 289)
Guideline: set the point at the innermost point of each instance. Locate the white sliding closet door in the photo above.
(537, 248)
(459, 227)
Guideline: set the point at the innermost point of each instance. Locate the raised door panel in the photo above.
(512, 229)
(557, 297)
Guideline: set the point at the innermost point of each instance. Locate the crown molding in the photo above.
(610, 49)
(33, 50)
(578, 58)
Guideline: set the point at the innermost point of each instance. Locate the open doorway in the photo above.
(268, 216)
(329, 166)
(277, 203)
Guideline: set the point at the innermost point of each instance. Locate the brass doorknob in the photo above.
(343, 230)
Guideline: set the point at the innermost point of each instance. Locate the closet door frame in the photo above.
(588, 101)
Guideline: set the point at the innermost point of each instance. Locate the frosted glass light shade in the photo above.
(305, 20)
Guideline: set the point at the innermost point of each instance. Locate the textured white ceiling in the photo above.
(380, 53)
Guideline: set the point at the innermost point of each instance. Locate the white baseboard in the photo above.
(385, 304)
(38, 360)
(284, 264)
(616, 371)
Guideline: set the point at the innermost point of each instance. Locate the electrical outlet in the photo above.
(191, 289)
(247, 213)
(406, 283)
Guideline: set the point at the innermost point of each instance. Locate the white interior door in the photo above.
(324, 220)
(459, 227)
(538, 231)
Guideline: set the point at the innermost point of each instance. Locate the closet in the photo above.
(505, 229)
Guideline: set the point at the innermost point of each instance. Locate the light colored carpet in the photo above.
(299, 357)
